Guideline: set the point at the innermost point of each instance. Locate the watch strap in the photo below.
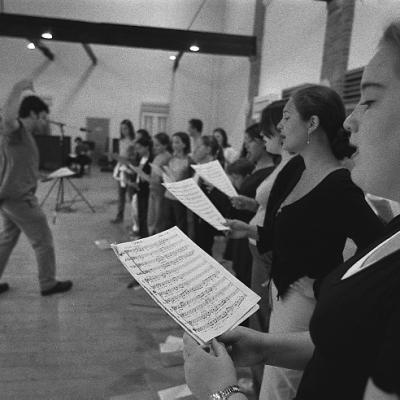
(225, 393)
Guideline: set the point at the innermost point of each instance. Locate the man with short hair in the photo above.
(195, 130)
(19, 171)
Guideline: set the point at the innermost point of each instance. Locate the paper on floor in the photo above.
(173, 393)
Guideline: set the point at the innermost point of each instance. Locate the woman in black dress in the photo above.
(352, 350)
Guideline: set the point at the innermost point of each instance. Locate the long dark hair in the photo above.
(254, 131)
(391, 36)
(224, 135)
(146, 142)
(271, 115)
(131, 129)
(328, 106)
(216, 150)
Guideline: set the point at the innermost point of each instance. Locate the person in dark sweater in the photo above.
(208, 150)
(264, 166)
(313, 208)
(143, 148)
(356, 325)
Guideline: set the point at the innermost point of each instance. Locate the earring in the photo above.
(308, 138)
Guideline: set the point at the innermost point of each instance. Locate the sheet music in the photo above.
(187, 283)
(61, 173)
(215, 174)
(189, 193)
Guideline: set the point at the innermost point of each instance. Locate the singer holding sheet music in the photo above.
(352, 351)
(19, 171)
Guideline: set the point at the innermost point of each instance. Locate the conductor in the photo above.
(19, 171)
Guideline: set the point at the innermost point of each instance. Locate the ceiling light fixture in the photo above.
(47, 35)
(31, 46)
(172, 58)
(193, 47)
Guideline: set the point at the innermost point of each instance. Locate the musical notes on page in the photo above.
(215, 174)
(187, 283)
(189, 193)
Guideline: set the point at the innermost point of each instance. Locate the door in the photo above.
(98, 132)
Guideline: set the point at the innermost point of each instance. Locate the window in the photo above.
(154, 117)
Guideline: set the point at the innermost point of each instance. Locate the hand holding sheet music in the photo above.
(215, 174)
(189, 194)
(188, 284)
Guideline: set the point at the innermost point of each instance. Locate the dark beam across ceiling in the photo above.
(64, 30)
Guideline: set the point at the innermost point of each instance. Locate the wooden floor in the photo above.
(99, 341)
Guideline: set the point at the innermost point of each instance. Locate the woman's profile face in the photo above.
(141, 150)
(218, 136)
(376, 123)
(273, 144)
(293, 129)
(177, 144)
(158, 147)
(124, 130)
(202, 152)
(255, 148)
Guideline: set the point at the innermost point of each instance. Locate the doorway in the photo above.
(98, 133)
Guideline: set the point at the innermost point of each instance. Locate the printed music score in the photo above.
(215, 174)
(188, 284)
(189, 194)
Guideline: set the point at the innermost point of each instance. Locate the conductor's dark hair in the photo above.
(32, 103)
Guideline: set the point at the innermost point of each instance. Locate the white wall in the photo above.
(234, 73)
(124, 77)
(293, 44)
(370, 19)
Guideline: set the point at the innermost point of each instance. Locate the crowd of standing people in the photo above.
(326, 329)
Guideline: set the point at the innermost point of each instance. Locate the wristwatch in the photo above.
(226, 393)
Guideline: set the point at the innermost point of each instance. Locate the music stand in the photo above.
(61, 176)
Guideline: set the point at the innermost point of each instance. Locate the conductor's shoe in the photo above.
(4, 287)
(59, 287)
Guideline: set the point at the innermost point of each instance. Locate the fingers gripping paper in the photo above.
(215, 174)
(188, 284)
(190, 195)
